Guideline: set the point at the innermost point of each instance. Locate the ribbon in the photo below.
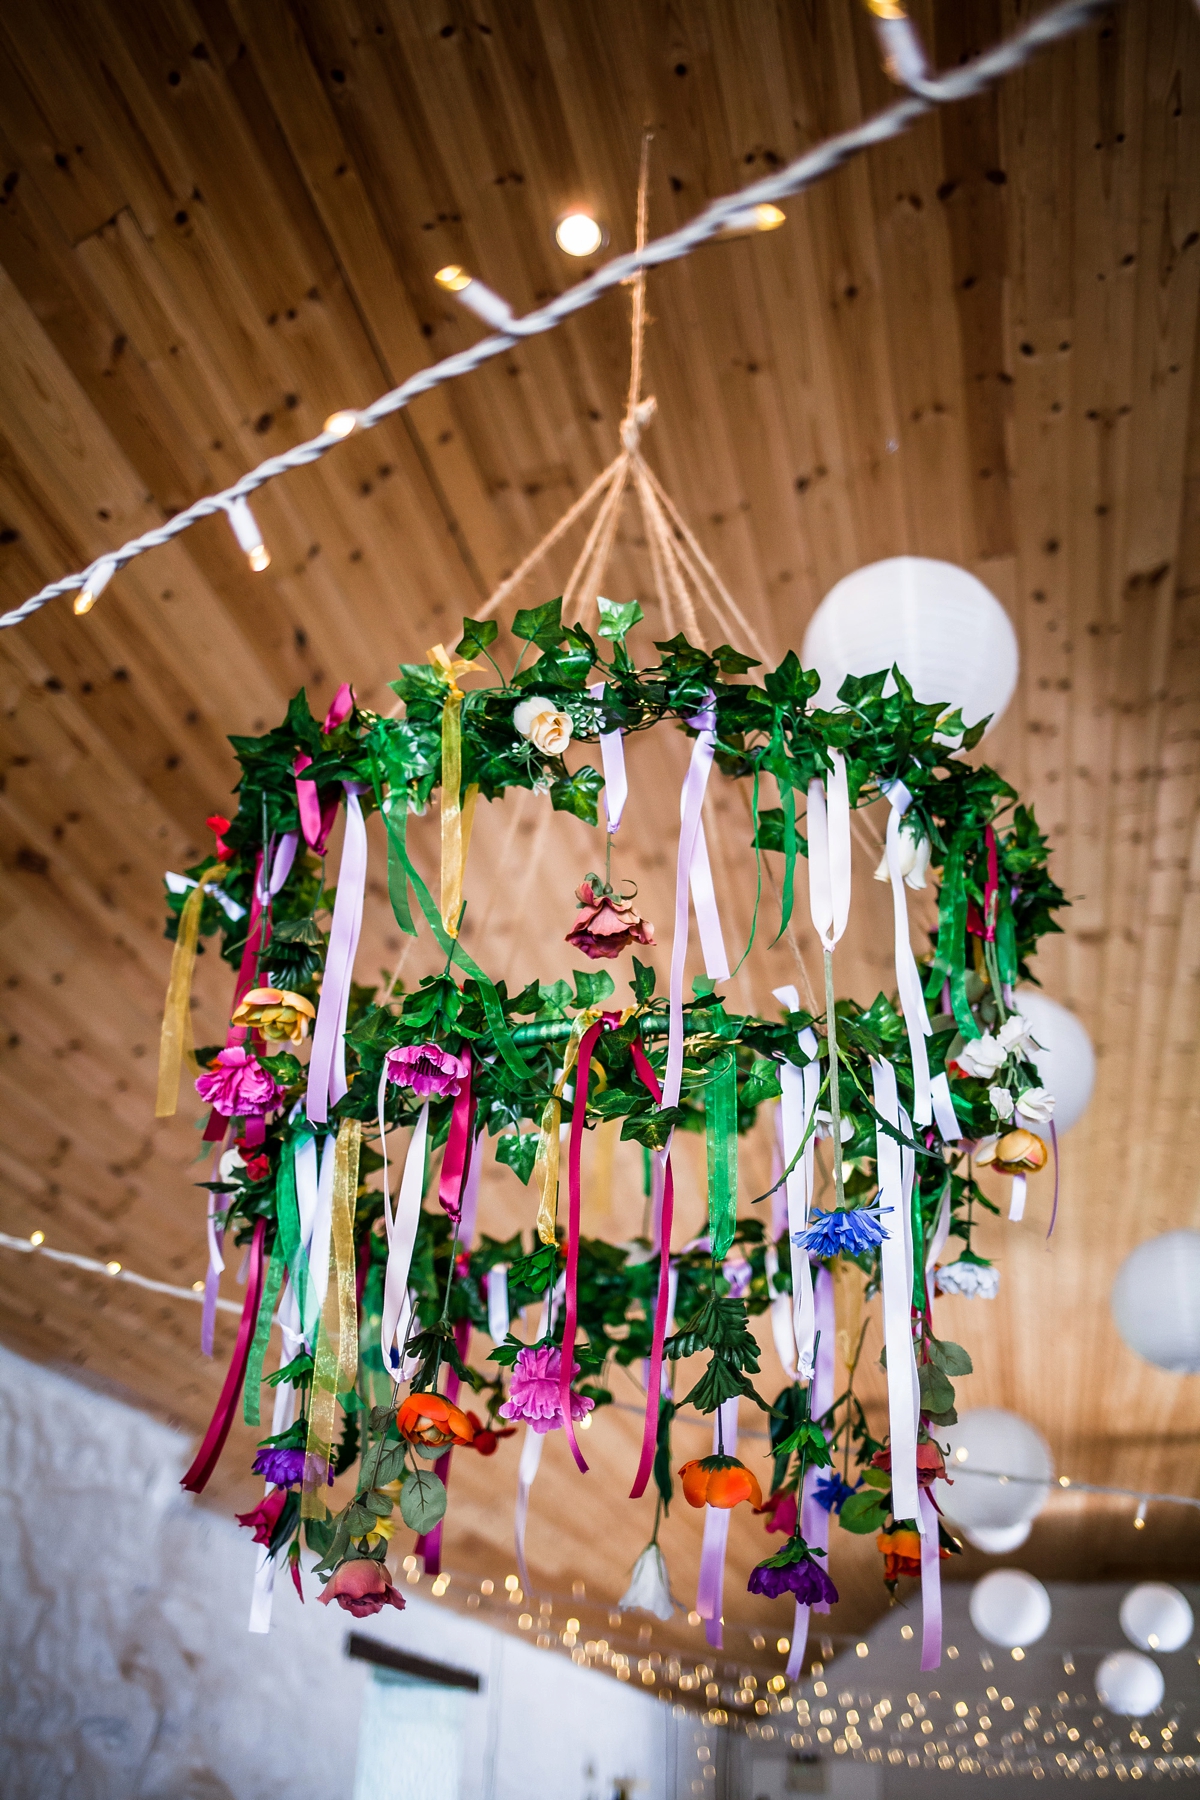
(574, 1197)
(429, 1544)
(664, 1303)
(327, 1064)
(931, 1586)
(799, 1089)
(400, 1226)
(298, 1176)
(456, 816)
(941, 1234)
(176, 1044)
(814, 1519)
(720, 1131)
(1054, 1207)
(205, 1460)
(1016, 1204)
(692, 874)
(829, 852)
(545, 1164)
(251, 1397)
(710, 1586)
(612, 759)
(531, 1451)
(895, 1188)
(452, 1182)
(335, 1361)
(908, 980)
(950, 957)
(216, 1249)
(263, 1592)
(316, 821)
(497, 1302)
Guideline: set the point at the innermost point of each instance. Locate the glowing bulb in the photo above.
(511, 1583)
(260, 558)
(578, 234)
(98, 578)
(782, 1645)
(197, 1287)
(114, 1268)
(36, 1238)
(1018, 1655)
(961, 1454)
(340, 424)
(454, 278)
(585, 1424)
(1139, 1518)
(245, 530)
(750, 219)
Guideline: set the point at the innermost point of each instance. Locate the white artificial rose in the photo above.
(1001, 1102)
(972, 1280)
(650, 1588)
(914, 860)
(547, 729)
(1015, 1034)
(982, 1056)
(1036, 1105)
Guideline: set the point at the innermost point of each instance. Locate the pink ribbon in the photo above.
(259, 929)
(430, 1544)
(327, 1064)
(316, 821)
(574, 1190)
(662, 1305)
(931, 1587)
(216, 1249)
(612, 758)
(205, 1460)
(452, 1183)
(340, 708)
(710, 1586)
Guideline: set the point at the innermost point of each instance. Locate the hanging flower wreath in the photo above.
(915, 1091)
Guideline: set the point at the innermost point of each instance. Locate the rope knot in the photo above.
(635, 422)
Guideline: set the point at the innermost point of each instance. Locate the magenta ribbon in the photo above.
(430, 1544)
(327, 1064)
(452, 1183)
(340, 709)
(814, 1519)
(259, 929)
(316, 821)
(205, 1460)
(931, 1586)
(566, 1372)
(710, 1586)
(662, 1305)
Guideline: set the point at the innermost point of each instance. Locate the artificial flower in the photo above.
(533, 1393)
(930, 1466)
(1001, 1102)
(605, 924)
(831, 1492)
(720, 1481)
(1016, 1153)
(430, 1071)
(1036, 1105)
(263, 1518)
(649, 1588)
(256, 1163)
(278, 1014)
(982, 1056)
(973, 1280)
(362, 1587)
(914, 860)
(849, 1232)
(281, 1463)
(539, 720)
(825, 1126)
(432, 1423)
(781, 1511)
(901, 1553)
(793, 1570)
(384, 1529)
(219, 826)
(238, 1086)
(487, 1437)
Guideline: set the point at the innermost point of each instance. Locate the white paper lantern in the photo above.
(998, 1540)
(946, 632)
(1066, 1061)
(1010, 1608)
(1156, 1301)
(988, 1439)
(1129, 1683)
(1156, 1617)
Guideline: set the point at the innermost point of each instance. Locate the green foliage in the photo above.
(518, 1152)
(422, 1500)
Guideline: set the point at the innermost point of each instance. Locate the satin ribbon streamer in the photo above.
(829, 852)
(263, 1592)
(692, 874)
(814, 1519)
(455, 1158)
(574, 1203)
(545, 1167)
(327, 1064)
(664, 1303)
(612, 759)
(176, 1041)
(205, 1460)
(908, 980)
(710, 1587)
(531, 1449)
(401, 1226)
(799, 1089)
(895, 1192)
(497, 1301)
(931, 1586)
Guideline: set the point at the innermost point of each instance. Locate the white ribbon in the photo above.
(799, 1088)
(400, 1226)
(896, 1168)
(179, 884)
(281, 867)
(497, 1298)
(318, 1250)
(692, 874)
(908, 980)
(829, 852)
(710, 1590)
(612, 759)
(1016, 1204)
(327, 1060)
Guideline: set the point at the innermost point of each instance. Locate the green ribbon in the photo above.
(1006, 942)
(287, 1213)
(262, 1334)
(787, 796)
(949, 959)
(720, 1130)
(918, 1234)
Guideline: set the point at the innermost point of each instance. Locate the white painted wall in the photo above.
(127, 1672)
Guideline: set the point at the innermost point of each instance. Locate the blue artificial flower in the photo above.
(830, 1491)
(849, 1233)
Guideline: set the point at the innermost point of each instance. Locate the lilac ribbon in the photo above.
(692, 874)
(1054, 1208)
(908, 980)
(896, 1169)
(327, 1065)
(497, 1302)
(931, 1586)
(1016, 1204)
(814, 1518)
(612, 758)
(710, 1587)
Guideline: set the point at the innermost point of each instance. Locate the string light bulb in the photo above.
(97, 579)
(250, 538)
(454, 278)
(578, 234)
(340, 424)
(1139, 1517)
(753, 219)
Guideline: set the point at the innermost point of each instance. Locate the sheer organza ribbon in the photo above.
(205, 1460)
(896, 1168)
(612, 761)
(574, 1207)
(175, 1045)
(814, 1518)
(664, 1300)
(335, 1362)
(710, 1585)
(327, 1064)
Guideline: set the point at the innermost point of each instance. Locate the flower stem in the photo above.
(835, 1098)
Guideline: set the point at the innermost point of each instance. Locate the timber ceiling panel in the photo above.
(219, 220)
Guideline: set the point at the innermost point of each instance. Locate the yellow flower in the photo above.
(280, 1016)
(384, 1529)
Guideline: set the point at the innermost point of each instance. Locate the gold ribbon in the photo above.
(335, 1362)
(176, 1042)
(545, 1167)
(458, 810)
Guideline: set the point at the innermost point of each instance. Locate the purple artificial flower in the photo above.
(238, 1086)
(427, 1069)
(831, 1492)
(533, 1394)
(282, 1466)
(805, 1578)
(849, 1233)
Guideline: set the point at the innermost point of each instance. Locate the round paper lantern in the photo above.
(988, 1439)
(1156, 1301)
(1156, 1617)
(998, 1540)
(1010, 1608)
(947, 633)
(1066, 1061)
(1129, 1683)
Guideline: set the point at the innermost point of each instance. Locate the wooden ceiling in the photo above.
(219, 221)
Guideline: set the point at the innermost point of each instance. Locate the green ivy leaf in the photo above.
(731, 661)
(643, 981)
(592, 986)
(617, 618)
(518, 1152)
(477, 635)
(937, 1394)
(577, 793)
(422, 1500)
(540, 625)
(652, 1128)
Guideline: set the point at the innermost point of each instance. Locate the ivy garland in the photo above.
(996, 901)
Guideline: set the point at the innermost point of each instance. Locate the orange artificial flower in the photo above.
(902, 1553)
(718, 1481)
(432, 1422)
(1016, 1153)
(281, 1017)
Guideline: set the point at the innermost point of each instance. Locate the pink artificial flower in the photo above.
(265, 1516)
(427, 1069)
(362, 1587)
(781, 1511)
(533, 1392)
(238, 1086)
